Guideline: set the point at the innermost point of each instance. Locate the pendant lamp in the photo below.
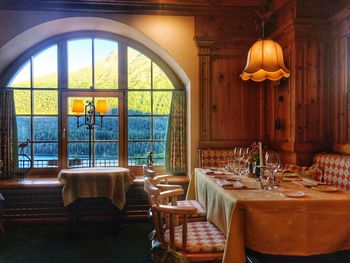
(265, 59)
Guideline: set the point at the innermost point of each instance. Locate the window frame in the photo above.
(62, 88)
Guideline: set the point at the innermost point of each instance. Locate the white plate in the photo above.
(293, 193)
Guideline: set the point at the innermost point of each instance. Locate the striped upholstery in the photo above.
(214, 157)
(336, 169)
(200, 208)
(201, 237)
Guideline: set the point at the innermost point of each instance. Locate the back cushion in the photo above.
(336, 169)
(214, 157)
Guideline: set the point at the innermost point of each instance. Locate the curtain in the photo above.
(8, 134)
(175, 157)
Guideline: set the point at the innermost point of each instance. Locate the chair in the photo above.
(168, 194)
(197, 241)
(161, 180)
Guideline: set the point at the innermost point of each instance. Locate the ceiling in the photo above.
(325, 8)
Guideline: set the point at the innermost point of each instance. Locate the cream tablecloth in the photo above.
(108, 182)
(269, 222)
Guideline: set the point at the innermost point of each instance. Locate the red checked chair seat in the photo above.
(201, 237)
(193, 203)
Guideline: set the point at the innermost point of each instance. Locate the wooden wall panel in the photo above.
(235, 105)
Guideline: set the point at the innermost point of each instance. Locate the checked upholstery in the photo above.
(201, 237)
(189, 203)
(214, 157)
(335, 168)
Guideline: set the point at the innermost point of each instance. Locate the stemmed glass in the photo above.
(272, 163)
(238, 155)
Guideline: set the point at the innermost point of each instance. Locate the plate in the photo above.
(294, 194)
(326, 188)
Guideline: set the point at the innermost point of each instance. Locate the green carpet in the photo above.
(90, 243)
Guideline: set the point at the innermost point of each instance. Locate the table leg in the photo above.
(73, 216)
(117, 216)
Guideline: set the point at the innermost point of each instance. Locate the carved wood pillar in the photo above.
(204, 45)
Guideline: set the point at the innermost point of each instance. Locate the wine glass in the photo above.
(272, 163)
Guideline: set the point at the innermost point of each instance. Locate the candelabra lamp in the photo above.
(90, 117)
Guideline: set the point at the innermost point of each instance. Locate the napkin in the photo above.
(230, 185)
(212, 172)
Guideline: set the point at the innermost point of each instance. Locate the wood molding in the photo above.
(341, 148)
(204, 45)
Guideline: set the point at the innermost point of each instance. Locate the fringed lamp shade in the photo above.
(265, 61)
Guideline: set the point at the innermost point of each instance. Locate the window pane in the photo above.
(45, 102)
(21, 78)
(106, 154)
(138, 152)
(45, 128)
(139, 128)
(112, 104)
(139, 70)
(80, 63)
(78, 154)
(160, 128)
(106, 64)
(71, 100)
(23, 129)
(45, 68)
(22, 101)
(160, 80)
(74, 133)
(139, 103)
(162, 102)
(159, 153)
(109, 131)
(45, 154)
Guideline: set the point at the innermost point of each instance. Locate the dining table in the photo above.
(292, 220)
(81, 184)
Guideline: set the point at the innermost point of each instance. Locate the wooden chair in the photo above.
(167, 196)
(197, 241)
(161, 181)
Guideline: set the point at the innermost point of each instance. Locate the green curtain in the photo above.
(175, 157)
(8, 134)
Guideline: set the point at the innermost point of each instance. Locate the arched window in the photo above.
(90, 66)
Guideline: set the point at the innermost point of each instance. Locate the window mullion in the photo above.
(62, 70)
(31, 110)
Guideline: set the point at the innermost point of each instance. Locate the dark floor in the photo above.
(95, 242)
(90, 243)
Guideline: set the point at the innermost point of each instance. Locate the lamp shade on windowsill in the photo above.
(101, 107)
(265, 61)
(78, 107)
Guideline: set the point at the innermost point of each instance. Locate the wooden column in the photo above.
(204, 45)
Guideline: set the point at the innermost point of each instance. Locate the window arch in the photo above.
(136, 83)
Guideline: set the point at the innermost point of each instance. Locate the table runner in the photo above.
(108, 182)
(269, 222)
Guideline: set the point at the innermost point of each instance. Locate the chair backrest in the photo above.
(171, 215)
(148, 172)
(152, 192)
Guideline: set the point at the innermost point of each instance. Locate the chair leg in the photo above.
(2, 230)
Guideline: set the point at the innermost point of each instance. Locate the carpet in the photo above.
(91, 242)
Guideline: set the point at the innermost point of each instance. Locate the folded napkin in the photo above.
(212, 172)
(230, 185)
